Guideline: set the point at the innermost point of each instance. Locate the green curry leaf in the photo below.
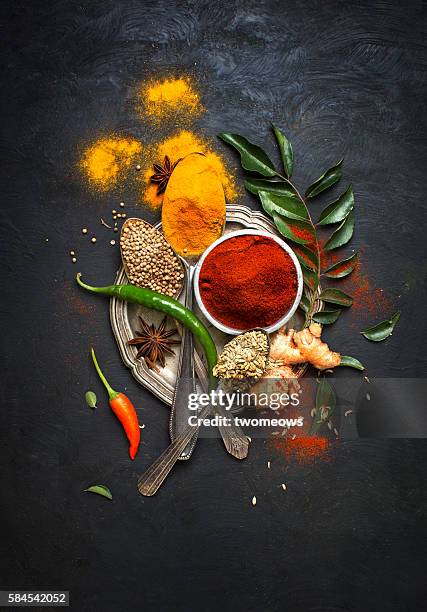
(325, 405)
(326, 317)
(277, 187)
(351, 362)
(297, 230)
(335, 296)
(100, 490)
(338, 210)
(342, 268)
(342, 234)
(382, 330)
(307, 257)
(286, 151)
(329, 178)
(253, 158)
(287, 205)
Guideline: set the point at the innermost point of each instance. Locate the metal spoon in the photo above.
(233, 437)
(152, 479)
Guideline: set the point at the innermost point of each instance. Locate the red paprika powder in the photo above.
(248, 281)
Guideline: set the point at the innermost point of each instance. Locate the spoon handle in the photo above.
(150, 482)
(186, 380)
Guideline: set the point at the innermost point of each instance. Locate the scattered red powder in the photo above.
(70, 294)
(370, 301)
(303, 450)
(248, 281)
(302, 233)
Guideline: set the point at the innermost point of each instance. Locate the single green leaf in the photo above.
(329, 178)
(307, 257)
(271, 186)
(325, 405)
(286, 151)
(342, 234)
(297, 230)
(304, 303)
(326, 317)
(351, 362)
(100, 490)
(342, 268)
(90, 398)
(338, 210)
(382, 330)
(335, 296)
(288, 206)
(311, 279)
(252, 157)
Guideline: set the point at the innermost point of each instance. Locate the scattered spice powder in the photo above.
(105, 161)
(303, 449)
(167, 98)
(302, 233)
(369, 301)
(178, 146)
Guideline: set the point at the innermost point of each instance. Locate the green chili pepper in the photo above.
(171, 307)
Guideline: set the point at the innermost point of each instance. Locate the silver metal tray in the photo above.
(124, 319)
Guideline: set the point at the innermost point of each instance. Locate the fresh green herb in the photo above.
(281, 199)
(342, 268)
(326, 317)
(325, 405)
(335, 296)
(253, 158)
(342, 234)
(100, 490)
(382, 330)
(286, 151)
(351, 362)
(90, 398)
(329, 178)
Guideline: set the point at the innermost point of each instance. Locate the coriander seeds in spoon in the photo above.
(149, 260)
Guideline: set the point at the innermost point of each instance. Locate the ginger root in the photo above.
(277, 378)
(292, 347)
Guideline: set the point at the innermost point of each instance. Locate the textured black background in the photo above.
(343, 79)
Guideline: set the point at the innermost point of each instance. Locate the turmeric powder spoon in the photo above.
(193, 217)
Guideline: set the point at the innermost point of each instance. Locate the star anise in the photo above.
(153, 343)
(163, 174)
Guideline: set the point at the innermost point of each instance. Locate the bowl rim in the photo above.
(246, 232)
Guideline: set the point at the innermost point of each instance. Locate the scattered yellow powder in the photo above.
(106, 160)
(170, 97)
(179, 146)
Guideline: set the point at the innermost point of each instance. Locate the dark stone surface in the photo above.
(343, 79)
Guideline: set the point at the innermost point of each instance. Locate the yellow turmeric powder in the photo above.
(176, 147)
(107, 159)
(193, 213)
(169, 98)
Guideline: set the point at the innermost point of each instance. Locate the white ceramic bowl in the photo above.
(284, 246)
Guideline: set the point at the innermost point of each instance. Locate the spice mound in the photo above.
(106, 160)
(148, 259)
(176, 147)
(193, 213)
(248, 281)
(243, 357)
(166, 98)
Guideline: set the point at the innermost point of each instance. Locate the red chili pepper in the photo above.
(124, 411)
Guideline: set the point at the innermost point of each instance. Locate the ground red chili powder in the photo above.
(369, 301)
(248, 281)
(303, 450)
